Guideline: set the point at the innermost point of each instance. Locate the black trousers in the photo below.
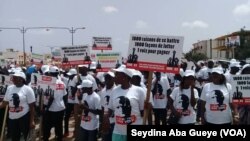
(160, 116)
(54, 119)
(1, 118)
(69, 110)
(18, 126)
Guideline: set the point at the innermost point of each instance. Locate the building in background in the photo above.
(222, 47)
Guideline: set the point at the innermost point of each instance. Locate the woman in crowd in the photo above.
(216, 100)
(21, 101)
(183, 99)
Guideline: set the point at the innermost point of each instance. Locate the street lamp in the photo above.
(72, 30)
(23, 31)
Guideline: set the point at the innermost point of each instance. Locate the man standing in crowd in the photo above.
(56, 107)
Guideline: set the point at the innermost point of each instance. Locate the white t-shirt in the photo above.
(105, 99)
(19, 100)
(126, 105)
(160, 98)
(217, 98)
(182, 104)
(90, 121)
(58, 103)
(204, 73)
(71, 85)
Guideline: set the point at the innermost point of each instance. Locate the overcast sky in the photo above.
(193, 19)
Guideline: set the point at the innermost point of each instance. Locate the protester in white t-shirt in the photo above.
(105, 98)
(127, 103)
(21, 101)
(83, 75)
(56, 107)
(216, 100)
(161, 91)
(183, 99)
(91, 104)
(71, 91)
(136, 80)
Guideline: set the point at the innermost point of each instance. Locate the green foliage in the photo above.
(190, 56)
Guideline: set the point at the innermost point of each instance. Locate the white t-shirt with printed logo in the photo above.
(19, 100)
(182, 104)
(58, 103)
(160, 100)
(105, 99)
(217, 98)
(90, 121)
(126, 105)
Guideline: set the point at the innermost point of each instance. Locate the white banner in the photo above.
(75, 55)
(155, 52)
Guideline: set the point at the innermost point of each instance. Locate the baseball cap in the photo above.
(72, 72)
(124, 70)
(19, 74)
(85, 84)
(234, 64)
(136, 73)
(53, 69)
(45, 68)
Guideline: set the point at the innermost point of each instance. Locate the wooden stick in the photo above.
(41, 116)
(145, 115)
(4, 122)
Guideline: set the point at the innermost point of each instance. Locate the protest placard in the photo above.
(75, 55)
(155, 53)
(241, 89)
(102, 43)
(107, 61)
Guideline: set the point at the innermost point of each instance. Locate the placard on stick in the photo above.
(108, 60)
(102, 43)
(75, 55)
(241, 89)
(155, 53)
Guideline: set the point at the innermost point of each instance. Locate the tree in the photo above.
(191, 56)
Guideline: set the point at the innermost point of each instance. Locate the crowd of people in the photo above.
(103, 104)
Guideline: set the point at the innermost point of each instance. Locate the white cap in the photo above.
(45, 68)
(189, 73)
(109, 73)
(123, 69)
(234, 64)
(19, 74)
(137, 73)
(53, 69)
(85, 84)
(200, 62)
(232, 60)
(217, 70)
(85, 65)
(72, 72)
